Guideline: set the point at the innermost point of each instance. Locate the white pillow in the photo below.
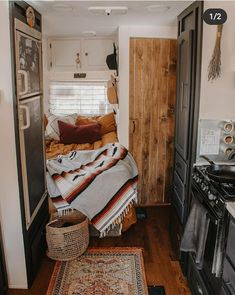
(52, 129)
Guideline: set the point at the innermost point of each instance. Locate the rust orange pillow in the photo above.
(70, 133)
(45, 121)
(82, 120)
(107, 122)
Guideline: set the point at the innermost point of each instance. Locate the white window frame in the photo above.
(66, 97)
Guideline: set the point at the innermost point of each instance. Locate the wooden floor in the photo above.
(152, 235)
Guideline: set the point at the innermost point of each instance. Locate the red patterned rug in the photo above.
(101, 271)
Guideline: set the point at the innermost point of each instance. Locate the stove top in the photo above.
(225, 191)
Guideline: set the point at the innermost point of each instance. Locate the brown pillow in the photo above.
(82, 120)
(107, 122)
(78, 134)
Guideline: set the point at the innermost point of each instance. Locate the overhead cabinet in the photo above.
(73, 54)
(95, 53)
(64, 53)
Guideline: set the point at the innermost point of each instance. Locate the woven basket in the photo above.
(66, 243)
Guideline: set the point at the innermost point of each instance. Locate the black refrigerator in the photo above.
(28, 54)
(26, 49)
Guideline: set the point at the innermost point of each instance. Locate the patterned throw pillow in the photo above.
(52, 129)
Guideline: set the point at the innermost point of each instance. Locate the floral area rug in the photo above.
(101, 271)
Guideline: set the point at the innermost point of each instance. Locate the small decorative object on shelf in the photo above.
(214, 68)
(30, 16)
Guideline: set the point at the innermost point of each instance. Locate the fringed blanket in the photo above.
(101, 183)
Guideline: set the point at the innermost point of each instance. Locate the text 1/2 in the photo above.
(215, 16)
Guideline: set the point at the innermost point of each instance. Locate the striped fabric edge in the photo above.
(117, 207)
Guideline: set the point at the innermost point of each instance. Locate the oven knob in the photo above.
(196, 178)
(211, 197)
(204, 187)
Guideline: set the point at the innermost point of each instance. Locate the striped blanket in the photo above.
(101, 184)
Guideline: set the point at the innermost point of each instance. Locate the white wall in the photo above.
(9, 200)
(124, 35)
(218, 98)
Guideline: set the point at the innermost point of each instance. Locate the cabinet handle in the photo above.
(178, 165)
(86, 54)
(178, 237)
(27, 125)
(184, 100)
(199, 289)
(26, 82)
(133, 123)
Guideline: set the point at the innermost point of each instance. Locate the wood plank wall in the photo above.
(151, 113)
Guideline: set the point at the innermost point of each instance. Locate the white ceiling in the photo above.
(71, 18)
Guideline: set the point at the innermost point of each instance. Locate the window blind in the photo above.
(85, 98)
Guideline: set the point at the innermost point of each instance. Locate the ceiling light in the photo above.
(158, 8)
(89, 33)
(107, 10)
(62, 8)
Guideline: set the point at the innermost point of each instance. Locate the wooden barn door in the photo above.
(151, 113)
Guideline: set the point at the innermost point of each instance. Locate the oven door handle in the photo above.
(198, 196)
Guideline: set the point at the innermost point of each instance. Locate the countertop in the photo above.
(231, 208)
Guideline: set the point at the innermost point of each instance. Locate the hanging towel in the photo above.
(195, 233)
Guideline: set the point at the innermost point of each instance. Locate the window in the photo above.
(85, 98)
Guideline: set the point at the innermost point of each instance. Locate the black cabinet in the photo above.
(196, 284)
(187, 108)
(184, 73)
(229, 262)
(29, 135)
(189, 45)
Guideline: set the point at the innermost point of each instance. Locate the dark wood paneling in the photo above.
(152, 105)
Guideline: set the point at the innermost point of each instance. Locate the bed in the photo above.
(56, 149)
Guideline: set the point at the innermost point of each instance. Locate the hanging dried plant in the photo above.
(214, 68)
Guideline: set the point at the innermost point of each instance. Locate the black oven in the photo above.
(211, 271)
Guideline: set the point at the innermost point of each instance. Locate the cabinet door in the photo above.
(231, 241)
(32, 156)
(96, 51)
(64, 53)
(184, 69)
